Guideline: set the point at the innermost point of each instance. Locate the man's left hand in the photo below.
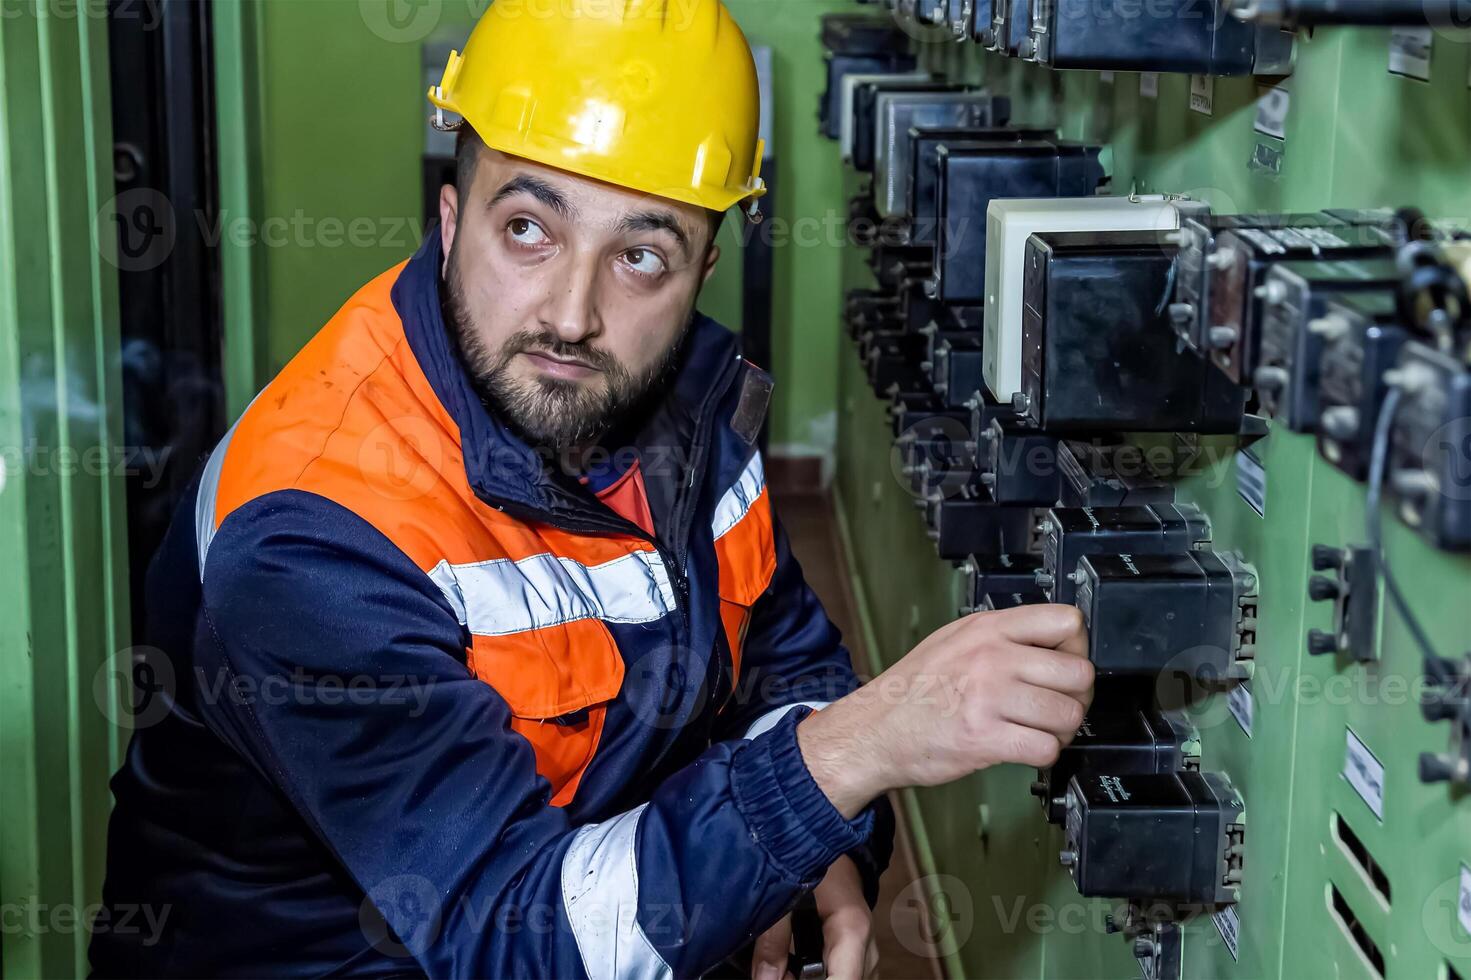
(848, 950)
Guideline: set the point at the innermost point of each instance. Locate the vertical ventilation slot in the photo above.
(1355, 849)
(1355, 931)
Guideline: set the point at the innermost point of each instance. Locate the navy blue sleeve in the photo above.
(793, 654)
(405, 766)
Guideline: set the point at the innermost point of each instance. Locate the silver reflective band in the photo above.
(600, 895)
(204, 499)
(736, 501)
(501, 596)
(768, 721)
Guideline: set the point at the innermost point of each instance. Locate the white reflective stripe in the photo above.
(736, 501)
(600, 895)
(204, 500)
(769, 720)
(501, 596)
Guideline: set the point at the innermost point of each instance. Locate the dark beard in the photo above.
(551, 413)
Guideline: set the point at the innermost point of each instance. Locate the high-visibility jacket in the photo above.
(423, 704)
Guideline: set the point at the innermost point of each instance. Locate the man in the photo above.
(490, 656)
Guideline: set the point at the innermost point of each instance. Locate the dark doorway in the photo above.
(163, 118)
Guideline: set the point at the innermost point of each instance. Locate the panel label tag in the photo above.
(1409, 52)
(1149, 84)
(1239, 703)
(1251, 481)
(1228, 924)
(1202, 93)
(1364, 773)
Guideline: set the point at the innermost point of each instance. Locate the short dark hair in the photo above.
(468, 145)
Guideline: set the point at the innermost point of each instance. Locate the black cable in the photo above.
(1435, 667)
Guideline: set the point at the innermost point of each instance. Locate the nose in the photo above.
(570, 309)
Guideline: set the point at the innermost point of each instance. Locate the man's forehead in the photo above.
(588, 195)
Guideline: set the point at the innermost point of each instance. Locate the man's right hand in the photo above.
(993, 687)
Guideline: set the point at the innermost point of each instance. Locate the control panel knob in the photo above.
(1321, 588)
(1145, 948)
(1182, 312)
(1221, 260)
(1437, 768)
(1440, 707)
(1270, 378)
(1341, 422)
(1321, 642)
(1221, 337)
(1326, 557)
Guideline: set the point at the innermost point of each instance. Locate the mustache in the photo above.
(540, 342)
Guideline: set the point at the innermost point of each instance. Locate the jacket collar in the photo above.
(501, 468)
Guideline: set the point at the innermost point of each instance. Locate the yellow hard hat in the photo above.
(659, 96)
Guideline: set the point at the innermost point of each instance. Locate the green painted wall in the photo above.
(1356, 136)
(63, 600)
(341, 123)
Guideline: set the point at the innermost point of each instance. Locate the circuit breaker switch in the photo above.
(1069, 533)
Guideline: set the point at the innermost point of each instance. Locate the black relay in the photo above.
(1154, 837)
(1429, 465)
(924, 172)
(1359, 349)
(1097, 349)
(1192, 614)
(969, 179)
(1133, 741)
(1238, 271)
(1108, 475)
(1198, 240)
(1069, 533)
(1017, 466)
(1296, 322)
(1004, 574)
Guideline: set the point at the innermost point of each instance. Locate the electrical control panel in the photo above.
(1205, 497)
(969, 179)
(1155, 836)
(1009, 223)
(1187, 36)
(1097, 352)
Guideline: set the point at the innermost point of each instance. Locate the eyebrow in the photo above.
(655, 221)
(537, 188)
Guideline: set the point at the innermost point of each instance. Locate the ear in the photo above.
(712, 255)
(449, 214)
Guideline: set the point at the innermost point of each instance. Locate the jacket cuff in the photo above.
(787, 812)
